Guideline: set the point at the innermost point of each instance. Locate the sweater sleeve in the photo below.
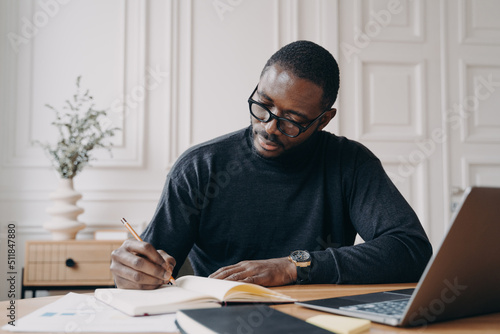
(396, 248)
(174, 225)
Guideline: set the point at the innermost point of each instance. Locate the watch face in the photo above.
(300, 256)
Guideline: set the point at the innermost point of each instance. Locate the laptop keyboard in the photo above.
(393, 308)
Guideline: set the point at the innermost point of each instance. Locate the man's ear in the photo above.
(327, 117)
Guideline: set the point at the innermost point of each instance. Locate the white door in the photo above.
(472, 110)
(390, 96)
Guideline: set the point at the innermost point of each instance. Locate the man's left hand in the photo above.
(272, 272)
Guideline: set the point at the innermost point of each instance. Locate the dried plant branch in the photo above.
(81, 129)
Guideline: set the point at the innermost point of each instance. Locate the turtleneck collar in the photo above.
(294, 159)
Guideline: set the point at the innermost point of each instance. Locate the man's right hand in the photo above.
(138, 265)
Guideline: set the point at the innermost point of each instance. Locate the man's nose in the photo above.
(272, 127)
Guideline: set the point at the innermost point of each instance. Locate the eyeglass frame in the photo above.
(278, 119)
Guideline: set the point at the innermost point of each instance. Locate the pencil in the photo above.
(137, 237)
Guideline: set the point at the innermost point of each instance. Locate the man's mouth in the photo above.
(266, 144)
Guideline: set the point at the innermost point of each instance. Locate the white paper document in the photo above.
(83, 313)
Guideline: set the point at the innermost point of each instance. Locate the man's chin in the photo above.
(268, 154)
(265, 148)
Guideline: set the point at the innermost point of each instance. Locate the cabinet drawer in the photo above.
(59, 263)
(53, 273)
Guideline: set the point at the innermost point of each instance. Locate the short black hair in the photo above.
(308, 60)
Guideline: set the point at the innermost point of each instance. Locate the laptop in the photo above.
(461, 279)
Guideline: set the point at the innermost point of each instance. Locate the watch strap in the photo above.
(303, 275)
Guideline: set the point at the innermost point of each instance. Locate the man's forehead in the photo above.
(277, 74)
(277, 82)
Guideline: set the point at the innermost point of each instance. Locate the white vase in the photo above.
(64, 224)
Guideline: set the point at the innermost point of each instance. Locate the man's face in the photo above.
(287, 96)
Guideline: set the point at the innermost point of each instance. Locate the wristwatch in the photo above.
(302, 261)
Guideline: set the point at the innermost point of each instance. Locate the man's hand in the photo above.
(138, 265)
(272, 272)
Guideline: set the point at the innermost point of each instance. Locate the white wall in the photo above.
(176, 73)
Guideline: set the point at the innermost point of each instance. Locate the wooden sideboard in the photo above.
(69, 264)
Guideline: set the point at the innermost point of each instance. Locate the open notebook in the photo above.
(189, 292)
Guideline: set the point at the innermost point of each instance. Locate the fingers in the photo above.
(169, 262)
(224, 272)
(124, 283)
(243, 271)
(271, 272)
(230, 272)
(138, 265)
(143, 249)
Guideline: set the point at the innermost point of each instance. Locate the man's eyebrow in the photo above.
(293, 112)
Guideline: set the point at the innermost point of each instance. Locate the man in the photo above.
(241, 204)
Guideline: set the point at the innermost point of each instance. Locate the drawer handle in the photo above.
(70, 263)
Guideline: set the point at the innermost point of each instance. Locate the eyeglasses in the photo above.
(286, 126)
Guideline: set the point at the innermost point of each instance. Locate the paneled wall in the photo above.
(472, 101)
(419, 86)
(391, 95)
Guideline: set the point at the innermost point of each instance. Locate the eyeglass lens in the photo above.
(264, 115)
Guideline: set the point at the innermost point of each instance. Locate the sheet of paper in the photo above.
(340, 324)
(83, 313)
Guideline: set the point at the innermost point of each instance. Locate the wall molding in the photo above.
(20, 152)
(8, 23)
(393, 33)
(469, 162)
(444, 85)
(466, 31)
(181, 114)
(467, 134)
(329, 36)
(287, 17)
(419, 97)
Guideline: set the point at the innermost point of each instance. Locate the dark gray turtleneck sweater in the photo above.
(223, 203)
